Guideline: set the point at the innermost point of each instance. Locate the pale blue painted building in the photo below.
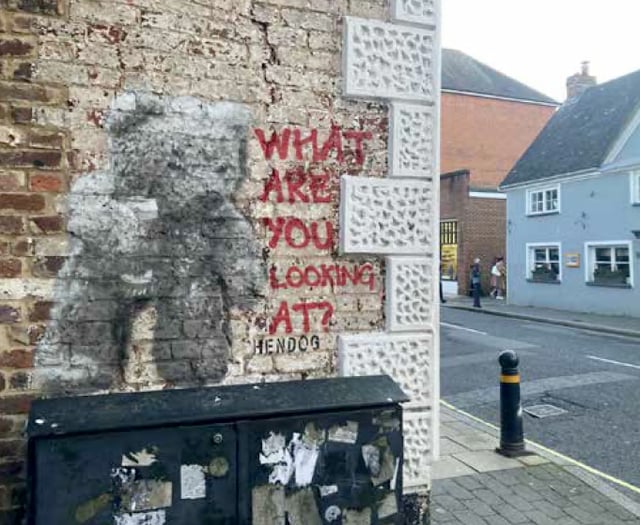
(573, 206)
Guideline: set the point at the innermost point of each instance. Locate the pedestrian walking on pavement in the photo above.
(495, 275)
(501, 279)
(475, 281)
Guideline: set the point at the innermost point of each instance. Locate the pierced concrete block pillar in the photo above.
(398, 216)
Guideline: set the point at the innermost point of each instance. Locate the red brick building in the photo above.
(487, 122)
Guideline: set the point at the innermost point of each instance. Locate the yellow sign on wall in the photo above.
(572, 260)
(449, 260)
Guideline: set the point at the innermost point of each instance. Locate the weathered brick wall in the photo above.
(454, 192)
(481, 226)
(487, 136)
(94, 130)
(484, 237)
(34, 174)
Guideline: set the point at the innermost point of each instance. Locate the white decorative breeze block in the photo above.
(406, 358)
(388, 61)
(415, 11)
(385, 216)
(411, 140)
(417, 448)
(409, 299)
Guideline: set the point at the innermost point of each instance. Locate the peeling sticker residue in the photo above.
(123, 476)
(297, 459)
(345, 433)
(371, 456)
(142, 518)
(387, 421)
(192, 482)
(297, 491)
(314, 436)
(332, 513)
(302, 508)
(305, 457)
(148, 494)
(394, 480)
(219, 467)
(282, 472)
(276, 453)
(88, 510)
(144, 458)
(273, 449)
(357, 517)
(280, 460)
(387, 462)
(268, 505)
(327, 490)
(134, 495)
(344, 471)
(388, 506)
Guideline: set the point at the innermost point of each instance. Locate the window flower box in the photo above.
(608, 276)
(543, 274)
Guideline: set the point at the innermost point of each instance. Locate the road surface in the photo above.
(594, 377)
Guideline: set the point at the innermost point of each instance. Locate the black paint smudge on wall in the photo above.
(155, 237)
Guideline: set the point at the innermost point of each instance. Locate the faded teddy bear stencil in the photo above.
(159, 254)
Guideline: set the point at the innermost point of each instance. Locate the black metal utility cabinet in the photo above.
(325, 451)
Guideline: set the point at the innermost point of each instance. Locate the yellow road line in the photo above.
(589, 469)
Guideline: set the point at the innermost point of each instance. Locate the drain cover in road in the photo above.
(541, 411)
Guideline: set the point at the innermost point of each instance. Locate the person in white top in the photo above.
(495, 275)
(501, 278)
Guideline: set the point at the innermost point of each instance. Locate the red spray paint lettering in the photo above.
(296, 234)
(297, 185)
(286, 140)
(325, 275)
(283, 317)
(308, 186)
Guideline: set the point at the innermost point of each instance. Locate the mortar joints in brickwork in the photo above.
(272, 59)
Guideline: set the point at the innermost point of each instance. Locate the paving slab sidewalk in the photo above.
(613, 324)
(473, 485)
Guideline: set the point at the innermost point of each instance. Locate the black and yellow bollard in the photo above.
(511, 432)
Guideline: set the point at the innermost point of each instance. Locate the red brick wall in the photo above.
(34, 161)
(454, 196)
(481, 226)
(487, 136)
(454, 192)
(483, 235)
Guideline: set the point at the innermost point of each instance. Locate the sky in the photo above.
(542, 42)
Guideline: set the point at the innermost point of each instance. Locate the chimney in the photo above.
(580, 82)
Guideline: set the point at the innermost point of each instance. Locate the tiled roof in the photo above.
(460, 72)
(581, 133)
